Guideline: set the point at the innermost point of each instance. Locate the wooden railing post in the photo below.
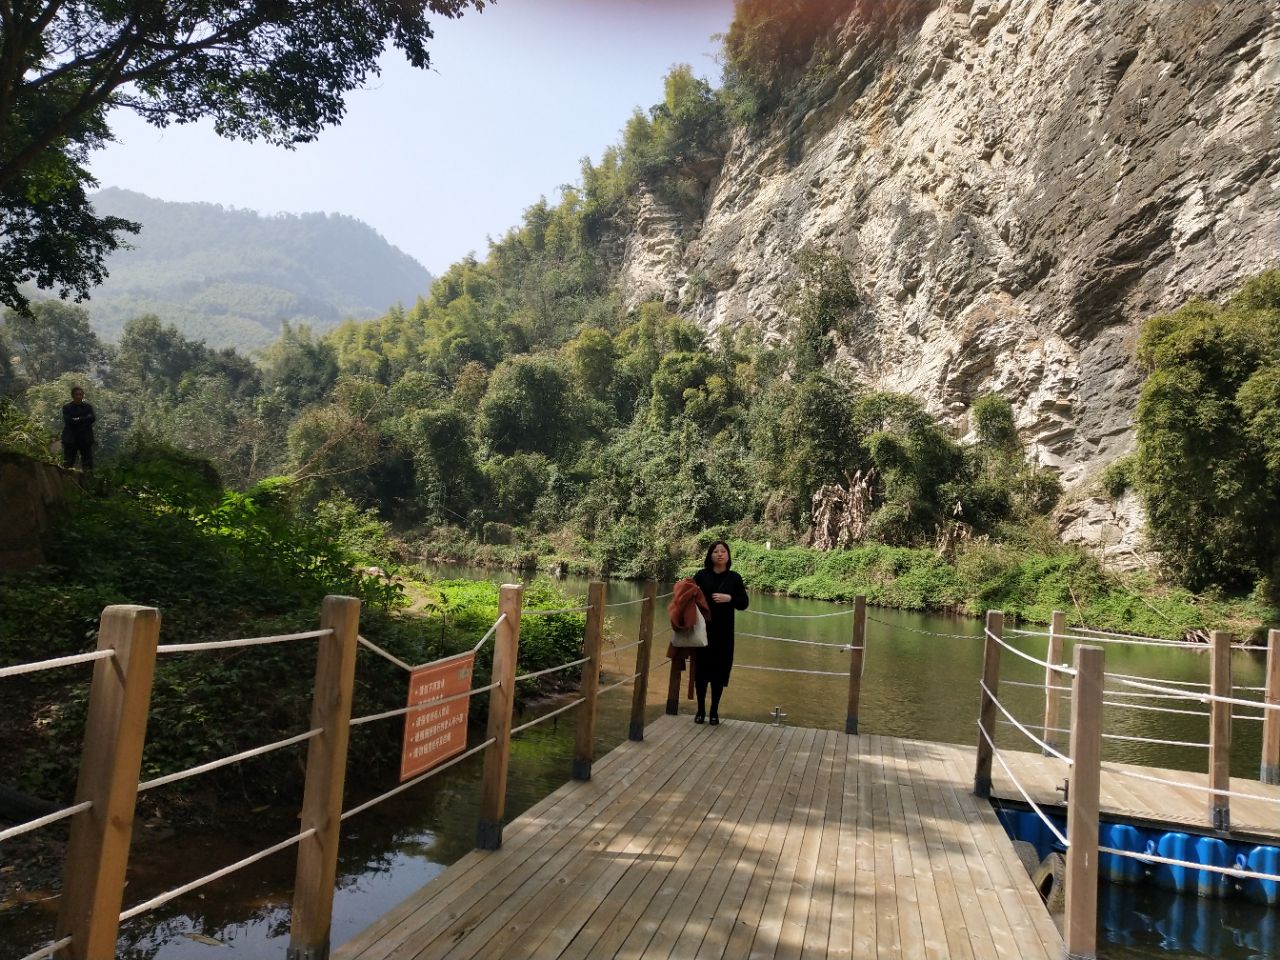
(987, 710)
(317, 871)
(506, 647)
(1270, 772)
(1053, 680)
(640, 689)
(859, 645)
(673, 686)
(115, 730)
(584, 749)
(1081, 917)
(1220, 731)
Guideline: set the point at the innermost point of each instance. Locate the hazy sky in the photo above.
(437, 161)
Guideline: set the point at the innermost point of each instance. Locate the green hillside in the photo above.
(230, 277)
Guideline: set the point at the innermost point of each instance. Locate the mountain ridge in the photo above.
(232, 276)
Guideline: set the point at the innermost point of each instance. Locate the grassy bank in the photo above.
(1027, 580)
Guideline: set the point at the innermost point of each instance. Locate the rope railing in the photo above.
(1133, 774)
(1128, 739)
(1185, 683)
(809, 643)
(1038, 686)
(661, 663)
(995, 752)
(543, 673)
(614, 651)
(624, 603)
(1046, 747)
(48, 818)
(384, 654)
(417, 780)
(621, 683)
(798, 616)
(1059, 668)
(246, 642)
(815, 673)
(49, 950)
(164, 898)
(38, 665)
(425, 705)
(489, 633)
(1170, 861)
(1200, 697)
(548, 716)
(923, 633)
(226, 761)
(548, 613)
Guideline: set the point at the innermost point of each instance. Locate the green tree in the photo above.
(51, 339)
(1208, 467)
(531, 406)
(277, 71)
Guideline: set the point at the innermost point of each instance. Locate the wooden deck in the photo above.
(742, 841)
(1129, 800)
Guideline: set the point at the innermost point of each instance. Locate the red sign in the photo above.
(436, 731)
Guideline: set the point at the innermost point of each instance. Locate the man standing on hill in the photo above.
(77, 431)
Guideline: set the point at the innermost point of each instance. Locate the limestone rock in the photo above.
(1111, 531)
(1015, 187)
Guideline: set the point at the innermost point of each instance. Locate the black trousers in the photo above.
(71, 450)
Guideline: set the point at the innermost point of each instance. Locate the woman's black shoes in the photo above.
(698, 718)
(714, 721)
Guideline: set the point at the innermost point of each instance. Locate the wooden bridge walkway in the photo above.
(742, 841)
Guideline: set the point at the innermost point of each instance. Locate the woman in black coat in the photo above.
(725, 592)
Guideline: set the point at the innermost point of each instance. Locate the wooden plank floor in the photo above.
(743, 841)
(1125, 798)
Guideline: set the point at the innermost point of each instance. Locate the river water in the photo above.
(920, 681)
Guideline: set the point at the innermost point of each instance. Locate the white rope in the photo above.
(1178, 644)
(1185, 683)
(1151, 709)
(548, 716)
(616, 650)
(547, 613)
(417, 780)
(50, 950)
(425, 705)
(1202, 697)
(563, 666)
(1060, 668)
(662, 664)
(623, 682)
(216, 875)
(44, 821)
(1119, 736)
(1038, 686)
(1022, 790)
(1153, 696)
(370, 645)
(799, 616)
(924, 633)
(814, 673)
(663, 596)
(1154, 858)
(1047, 748)
(811, 643)
(226, 761)
(38, 665)
(624, 603)
(1190, 786)
(490, 633)
(246, 642)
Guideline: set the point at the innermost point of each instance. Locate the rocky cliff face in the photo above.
(1015, 187)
